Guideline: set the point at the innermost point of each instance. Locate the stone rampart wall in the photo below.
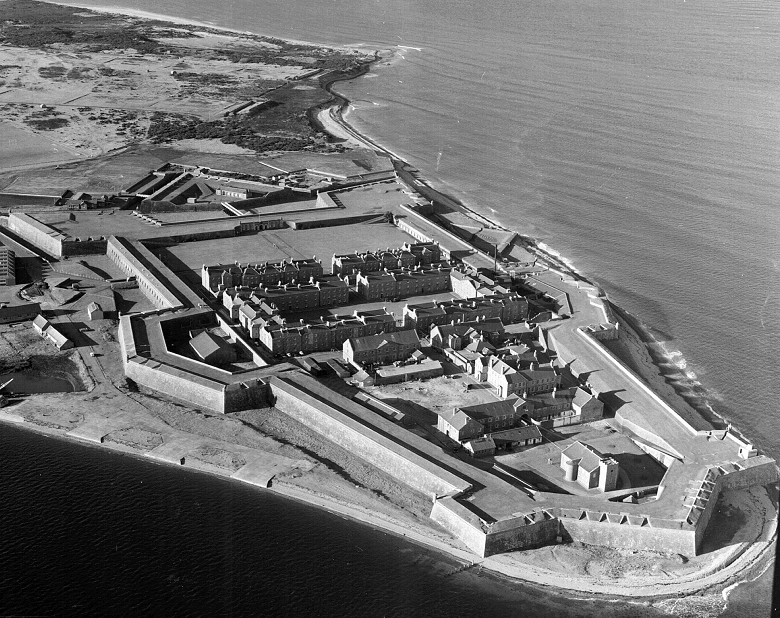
(624, 536)
(246, 395)
(51, 244)
(522, 536)
(461, 523)
(146, 275)
(759, 471)
(160, 379)
(363, 441)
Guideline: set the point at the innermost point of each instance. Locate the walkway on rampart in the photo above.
(143, 339)
(493, 497)
(644, 411)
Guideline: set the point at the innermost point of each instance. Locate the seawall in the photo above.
(317, 413)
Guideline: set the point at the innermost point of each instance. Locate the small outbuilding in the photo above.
(480, 447)
(363, 379)
(526, 435)
(95, 311)
(45, 329)
(40, 324)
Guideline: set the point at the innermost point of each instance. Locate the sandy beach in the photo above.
(635, 575)
(131, 12)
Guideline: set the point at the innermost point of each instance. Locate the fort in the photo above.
(446, 377)
(224, 337)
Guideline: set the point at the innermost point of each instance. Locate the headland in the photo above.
(476, 395)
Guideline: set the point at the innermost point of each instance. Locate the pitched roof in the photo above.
(480, 347)
(589, 458)
(457, 418)
(581, 397)
(477, 445)
(207, 343)
(559, 397)
(14, 310)
(492, 409)
(518, 434)
(56, 337)
(373, 342)
(492, 325)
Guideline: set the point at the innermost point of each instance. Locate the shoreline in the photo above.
(182, 21)
(548, 255)
(718, 579)
(336, 113)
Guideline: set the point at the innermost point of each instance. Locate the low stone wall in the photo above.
(124, 284)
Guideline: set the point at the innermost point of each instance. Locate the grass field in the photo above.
(20, 147)
(278, 245)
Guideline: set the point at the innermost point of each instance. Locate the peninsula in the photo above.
(175, 206)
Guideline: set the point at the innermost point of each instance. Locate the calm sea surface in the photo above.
(640, 140)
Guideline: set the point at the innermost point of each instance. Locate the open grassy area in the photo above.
(286, 244)
(94, 82)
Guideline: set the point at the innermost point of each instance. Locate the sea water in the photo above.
(640, 140)
(90, 533)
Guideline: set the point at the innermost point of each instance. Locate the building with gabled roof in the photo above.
(522, 435)
(40, 324)
(480, 447)
(505, 376)
(233, 300)
(212, 349)
(509, 308)
(18, 313)
(348, 264)
(47, 330)
(587, 406)
(94, 311)
(585, 465)
(220, 277)
(465, 422)
(459, 335)
(381, 349)
(424, 315)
